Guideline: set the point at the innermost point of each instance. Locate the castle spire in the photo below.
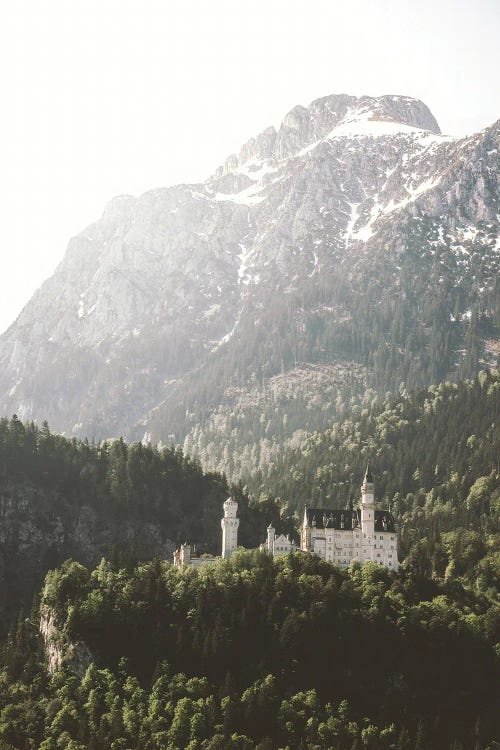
(368, 475)
(368, 513)
(368, 488)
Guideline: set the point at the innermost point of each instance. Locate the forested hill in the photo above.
(254, 654)
(63, 498)
(418, 440)
(435, 457)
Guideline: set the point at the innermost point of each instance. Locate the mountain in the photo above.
(356, 246)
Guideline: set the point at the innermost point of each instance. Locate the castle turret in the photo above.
(368, 509)
(182, 555)
(229, 526)
(271, 533)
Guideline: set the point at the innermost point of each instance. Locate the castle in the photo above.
(339, 536)
(360, 534)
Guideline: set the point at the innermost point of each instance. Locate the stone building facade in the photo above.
(352, 534)
(277, 545)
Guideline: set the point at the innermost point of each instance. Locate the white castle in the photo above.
(339, 536)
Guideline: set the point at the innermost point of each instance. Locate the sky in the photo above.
(106, 97)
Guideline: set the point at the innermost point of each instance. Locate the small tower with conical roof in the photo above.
(229, 525)
(368, 512)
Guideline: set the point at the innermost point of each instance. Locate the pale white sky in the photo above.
(104, 97)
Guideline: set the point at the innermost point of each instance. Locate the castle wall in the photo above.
(342, 546)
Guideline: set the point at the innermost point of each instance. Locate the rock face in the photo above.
(59, 651)
(354, 233)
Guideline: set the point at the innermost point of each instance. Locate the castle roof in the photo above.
(346, 520)
(368, 475)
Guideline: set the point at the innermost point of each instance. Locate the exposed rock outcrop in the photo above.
(59, 651)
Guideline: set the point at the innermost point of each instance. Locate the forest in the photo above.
(435, 455)
(254, 653)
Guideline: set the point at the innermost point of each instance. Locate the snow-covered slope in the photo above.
(275, 260)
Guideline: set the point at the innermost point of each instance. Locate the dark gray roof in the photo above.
(325, 518)
(368, 475)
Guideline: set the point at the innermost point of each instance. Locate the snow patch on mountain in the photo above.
(248, 197)
(367, 125)
(228, 336)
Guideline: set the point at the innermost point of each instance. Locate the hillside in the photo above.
(435, 455)
(253, 653)
(356, 237)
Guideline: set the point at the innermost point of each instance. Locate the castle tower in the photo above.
(271, 533)
(368, 512)
(305, 534)
(229, 526)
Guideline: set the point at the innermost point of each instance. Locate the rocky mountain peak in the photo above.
(333, 116)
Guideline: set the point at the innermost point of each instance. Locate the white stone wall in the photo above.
(197, 562)
(282, 545)
(341, 546)
(385, 549)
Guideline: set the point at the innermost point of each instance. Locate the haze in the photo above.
(122, 96)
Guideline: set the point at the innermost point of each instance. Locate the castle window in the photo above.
(389, 555)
